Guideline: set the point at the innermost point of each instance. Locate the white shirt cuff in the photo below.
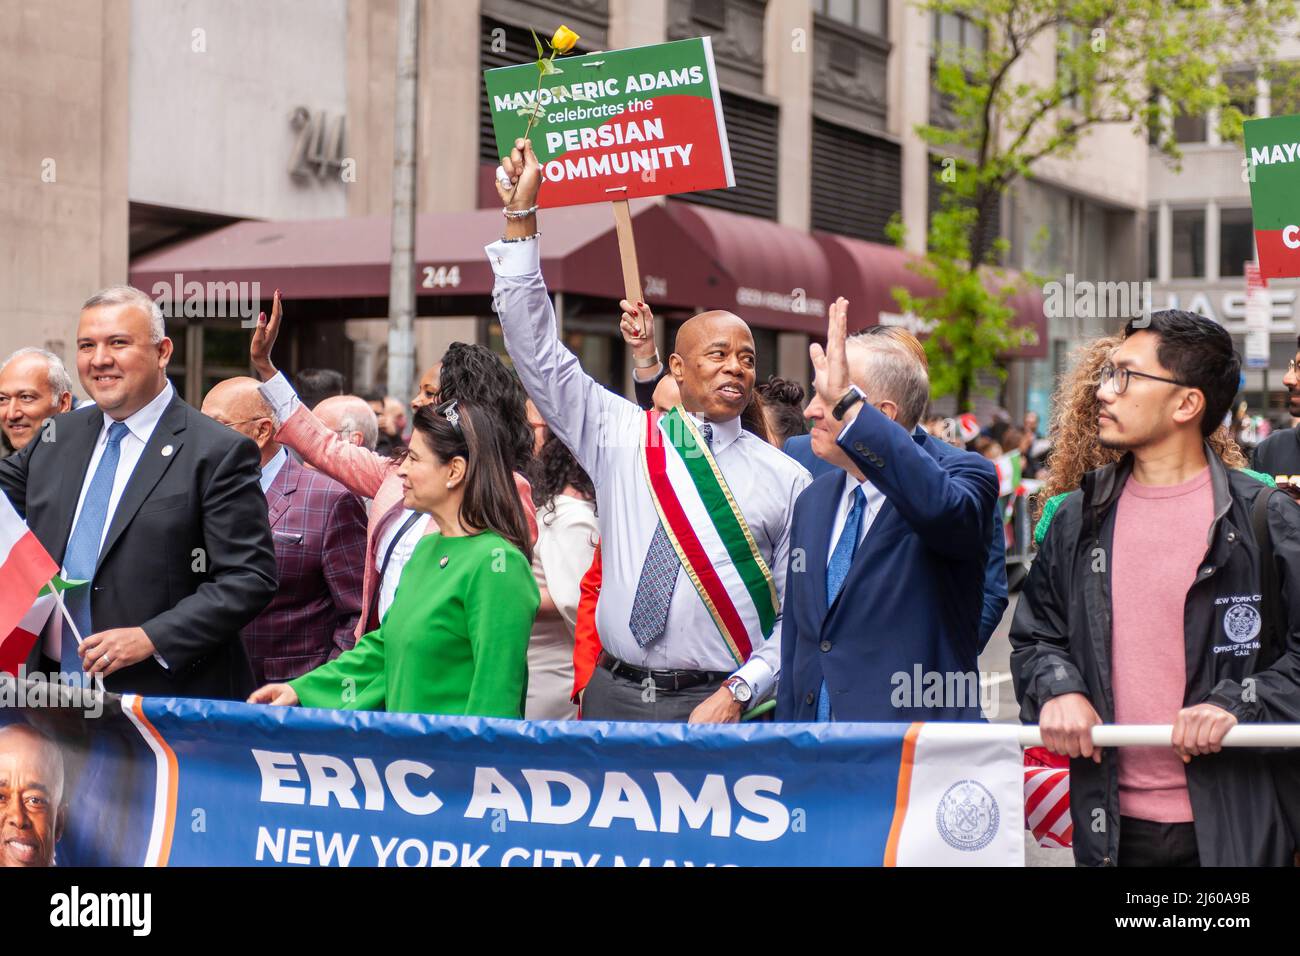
(758, 675)
(161, 663)
(512, 259)
(279, 394)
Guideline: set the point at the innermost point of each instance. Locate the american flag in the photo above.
(1047, 797)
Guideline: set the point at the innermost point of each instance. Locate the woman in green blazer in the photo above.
(455, 640)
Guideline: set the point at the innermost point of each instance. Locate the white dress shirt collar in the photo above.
(724, 433)
(271, 470)
(875, 500)
(875, 497)
(142, 423)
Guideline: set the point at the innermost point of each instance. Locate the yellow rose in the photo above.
(564, 40)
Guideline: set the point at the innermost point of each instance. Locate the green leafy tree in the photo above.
(1139, 63)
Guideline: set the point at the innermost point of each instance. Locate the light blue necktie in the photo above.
(836, 571)
(654, 590)
(83, 547)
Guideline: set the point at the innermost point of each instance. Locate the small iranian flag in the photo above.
(25, 567)
(1009, 469)
(18, 644)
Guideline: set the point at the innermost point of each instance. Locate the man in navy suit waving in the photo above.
(886, 574)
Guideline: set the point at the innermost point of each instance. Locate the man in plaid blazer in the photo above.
(319, 530)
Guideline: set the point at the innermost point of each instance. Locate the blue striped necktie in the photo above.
(82, 553)
(836, 571)
(654, 590)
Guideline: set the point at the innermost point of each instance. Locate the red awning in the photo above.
(349, 258)
(781, 276)
(866, 272)
(692, 258)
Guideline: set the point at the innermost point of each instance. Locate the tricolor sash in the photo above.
(708, 531)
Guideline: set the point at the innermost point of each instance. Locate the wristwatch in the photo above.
(741, 692)
(646, 363)
(851, 398)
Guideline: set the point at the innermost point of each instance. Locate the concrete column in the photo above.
(637, 23)
(1212, 121)
(64, 109)
(909, 106)
(447, 154)
(446, 150)
(1212, 240)
(1164, 242)
(788, 50)
(371, 48)
(1134, 239)
(114, 214)
(433, 335)
(792, 358)
(787, 43)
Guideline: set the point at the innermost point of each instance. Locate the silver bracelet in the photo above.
(536, 235)
(518, 213)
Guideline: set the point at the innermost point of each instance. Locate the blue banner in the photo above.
(204, 783)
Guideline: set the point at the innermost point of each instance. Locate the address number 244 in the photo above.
(440, 277)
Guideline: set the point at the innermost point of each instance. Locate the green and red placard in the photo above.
(618, 125)
(1273, 165)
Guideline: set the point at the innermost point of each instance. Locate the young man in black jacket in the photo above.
(1279, 454)
(1128, 617)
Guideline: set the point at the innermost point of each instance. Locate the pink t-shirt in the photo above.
(1160, 542)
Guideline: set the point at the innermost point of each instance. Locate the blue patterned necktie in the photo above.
(654, 591)
(836, 571)
(82, 553)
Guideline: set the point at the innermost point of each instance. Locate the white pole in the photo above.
(58, 599)
(1160, 735)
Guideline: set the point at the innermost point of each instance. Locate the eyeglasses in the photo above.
(1120, 376)
(260, 418)
(448, 411)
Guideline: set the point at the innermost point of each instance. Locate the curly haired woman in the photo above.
(1073, 433)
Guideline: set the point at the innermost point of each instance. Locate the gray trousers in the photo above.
(616, 698)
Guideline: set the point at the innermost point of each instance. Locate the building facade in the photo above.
(171, 120)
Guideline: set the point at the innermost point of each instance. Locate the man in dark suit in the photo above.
(154, 504)
(882, 608)
(319, 529)
(800, 449)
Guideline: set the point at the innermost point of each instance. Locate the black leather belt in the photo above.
(663, 680)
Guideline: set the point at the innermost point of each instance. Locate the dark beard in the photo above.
(1112, 445)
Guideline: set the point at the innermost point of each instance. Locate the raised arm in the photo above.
(583, 413)
(947, 505)
(358, 469)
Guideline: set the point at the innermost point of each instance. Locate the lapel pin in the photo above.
(167, 451)
(443, 562)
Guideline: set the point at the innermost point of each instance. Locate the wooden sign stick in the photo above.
(627, 253)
